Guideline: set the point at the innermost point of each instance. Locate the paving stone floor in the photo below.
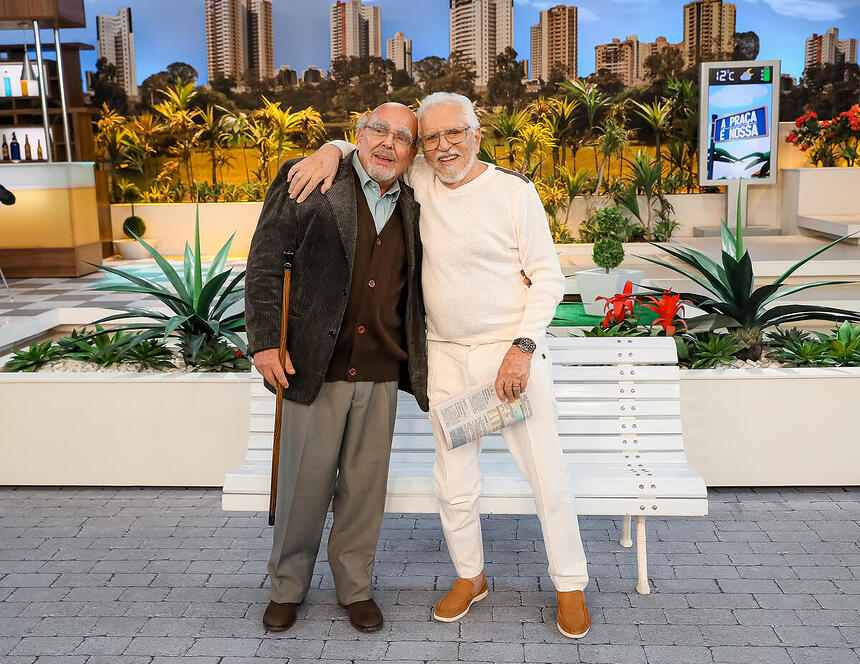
(149, 576)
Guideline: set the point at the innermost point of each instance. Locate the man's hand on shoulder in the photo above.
(307, 174)
(269, 365)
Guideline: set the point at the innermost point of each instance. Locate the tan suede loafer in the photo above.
(573, 617)
(456, 602)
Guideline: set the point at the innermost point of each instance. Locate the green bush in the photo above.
(133, 227)
(610, 222)
(608, 253)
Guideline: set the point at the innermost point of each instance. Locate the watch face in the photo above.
(526, 345)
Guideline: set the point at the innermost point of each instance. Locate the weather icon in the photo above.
(747, 75)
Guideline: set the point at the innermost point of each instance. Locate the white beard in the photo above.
(381, 173)
(457, 176)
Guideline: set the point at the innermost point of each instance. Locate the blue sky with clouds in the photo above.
(170, 30)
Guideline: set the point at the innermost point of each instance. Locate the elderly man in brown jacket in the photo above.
(356, 333)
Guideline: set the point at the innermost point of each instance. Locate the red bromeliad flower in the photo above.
(238, 353)
(618, 307)
(668, 309)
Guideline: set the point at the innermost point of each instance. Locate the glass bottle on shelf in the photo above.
(15, 148)
(28, 153)
(5, 149)
(39, 154)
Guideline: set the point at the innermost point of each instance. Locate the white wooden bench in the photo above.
(619, 423)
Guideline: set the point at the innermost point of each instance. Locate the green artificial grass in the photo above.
(573, 313)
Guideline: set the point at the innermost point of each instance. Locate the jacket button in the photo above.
(371, 283)
(352, 372)
(332, 333)
(378, 242)
(361, 329)
(346, 291)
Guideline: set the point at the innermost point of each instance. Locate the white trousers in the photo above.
(535, 446)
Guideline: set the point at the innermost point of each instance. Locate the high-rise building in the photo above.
(239, 38)
(709, 30)
(480, 30)
(226, 38)
(286, 75)
(626, 59)
(261, 45)
(829, 49)
(116, 45)
(554, 42)
(313, 75)
(399, 51)
(356, 30)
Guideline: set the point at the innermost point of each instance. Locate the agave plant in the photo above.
(34, 357)
(731, 300)
(198, 303)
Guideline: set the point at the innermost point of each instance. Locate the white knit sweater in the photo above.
(476, 239)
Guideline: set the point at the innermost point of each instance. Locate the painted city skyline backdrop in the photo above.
(166, 31)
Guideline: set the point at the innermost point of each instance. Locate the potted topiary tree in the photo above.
(606, 280)
(133, 227)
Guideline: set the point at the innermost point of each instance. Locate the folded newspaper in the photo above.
(477, 411)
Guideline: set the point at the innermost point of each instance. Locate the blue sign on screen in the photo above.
(740, 126)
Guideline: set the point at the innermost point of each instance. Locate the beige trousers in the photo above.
(336, 448)
(533, 443)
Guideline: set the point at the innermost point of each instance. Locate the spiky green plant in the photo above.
(150, 354)
(34, 357)
(198, 302)
(843, 344)
(804, 353)
(733, 302)
(714, 350)
(99, 347)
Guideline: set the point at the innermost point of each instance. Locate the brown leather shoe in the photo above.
(456, 602)
(573, 617)
(365, 615)
(279, 617)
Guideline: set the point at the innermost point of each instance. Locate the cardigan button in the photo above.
(352, 372)
(371, 283)
(361, 329)
(378, 242)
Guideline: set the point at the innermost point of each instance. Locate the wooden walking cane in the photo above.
(279, 398)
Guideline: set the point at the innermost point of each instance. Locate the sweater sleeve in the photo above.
(540, 263)
(264, 279)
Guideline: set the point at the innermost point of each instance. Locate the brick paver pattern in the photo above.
(151, 576)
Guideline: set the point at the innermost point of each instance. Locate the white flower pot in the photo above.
(598, 283)
(132, 249)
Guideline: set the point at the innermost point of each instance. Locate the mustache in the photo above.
(383, 152)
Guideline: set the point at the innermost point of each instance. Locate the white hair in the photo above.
(464, 103)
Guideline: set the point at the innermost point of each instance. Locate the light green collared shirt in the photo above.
(381, 205)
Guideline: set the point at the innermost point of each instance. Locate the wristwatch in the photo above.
(525, 344)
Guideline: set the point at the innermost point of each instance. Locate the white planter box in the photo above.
(599, 283)
(120, 429)
(772, 427)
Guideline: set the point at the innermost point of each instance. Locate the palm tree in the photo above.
(575, 184)
(507, 126)
(614, 139)
(148, 132)
(213, 131)
(236, 125)
(181, 121)
(592, 101)
(645, 179)
(311, 126)
(658, 115)
(261, 138)
(282, 124)
(685, 121)
(561, 118)
(532, 139)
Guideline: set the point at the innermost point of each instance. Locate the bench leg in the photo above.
(626, 542)
(642, 557)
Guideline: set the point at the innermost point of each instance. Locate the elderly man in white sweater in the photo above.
(481, 228)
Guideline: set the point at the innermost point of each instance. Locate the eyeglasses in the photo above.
(454, 136)
(381, 132)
